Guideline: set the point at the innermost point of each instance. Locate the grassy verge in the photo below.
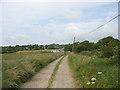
(54, 73)
(87, 66)
(20, 67)
(0, 71)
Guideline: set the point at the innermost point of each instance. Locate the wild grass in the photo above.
(20, 67)
(86, 66)
(0, 71)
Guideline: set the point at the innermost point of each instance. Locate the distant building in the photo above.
(26, 48)
(58, 50)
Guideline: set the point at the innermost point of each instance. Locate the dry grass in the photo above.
(26, 51)
(20, 67)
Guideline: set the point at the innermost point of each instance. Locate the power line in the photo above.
(103, 24)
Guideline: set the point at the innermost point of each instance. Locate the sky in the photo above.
(56, 22)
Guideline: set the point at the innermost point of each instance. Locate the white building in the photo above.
(58, 50)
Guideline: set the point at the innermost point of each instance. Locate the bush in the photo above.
(107, 51)
(68, 47)
(78, 48)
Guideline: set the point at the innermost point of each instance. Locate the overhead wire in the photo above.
(105, 23)
(101, 25)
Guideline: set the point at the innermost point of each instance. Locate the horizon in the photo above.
(57, 43)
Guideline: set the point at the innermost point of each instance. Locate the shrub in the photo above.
(79, 48)
(107, 51)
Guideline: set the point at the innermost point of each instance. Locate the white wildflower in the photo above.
(88, 83)
(93, 79)
(93, 82)
(99, 72)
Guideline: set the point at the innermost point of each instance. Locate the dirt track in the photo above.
(63, 77)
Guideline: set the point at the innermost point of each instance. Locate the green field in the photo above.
(20, 67)
(88, 65)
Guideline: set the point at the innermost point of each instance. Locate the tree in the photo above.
(68, 47)
(83, 46)
(106, 40)
(79, 48)
(107, 51)
(110, 47)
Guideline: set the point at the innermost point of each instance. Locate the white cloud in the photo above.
(59, 0)
(17, 39)
(112, 13)
(64, 33)
(110, 29)
(69, 14)
(22, 23)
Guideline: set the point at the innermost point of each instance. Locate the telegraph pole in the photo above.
(73, 44)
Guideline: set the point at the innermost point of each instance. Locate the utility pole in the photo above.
(73, 44)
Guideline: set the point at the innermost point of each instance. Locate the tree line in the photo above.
(11, 49)
(108, 46)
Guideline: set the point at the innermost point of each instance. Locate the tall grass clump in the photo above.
(92, 71)
(20, 67)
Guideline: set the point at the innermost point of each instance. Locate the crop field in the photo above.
(91, 71)
(42, 51)
(20, 67)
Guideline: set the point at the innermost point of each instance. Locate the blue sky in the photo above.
(46, 23)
